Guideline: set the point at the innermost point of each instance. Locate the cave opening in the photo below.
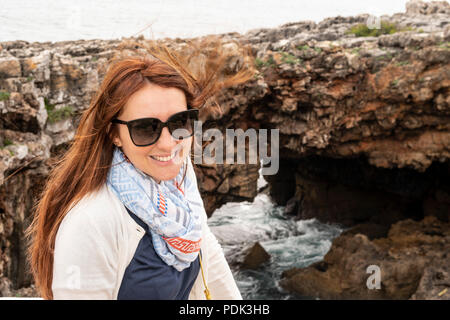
(351, 191)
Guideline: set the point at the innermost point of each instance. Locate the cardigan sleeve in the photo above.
(85, 262)
(221, 283)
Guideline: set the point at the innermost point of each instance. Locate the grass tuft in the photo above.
(362, 30)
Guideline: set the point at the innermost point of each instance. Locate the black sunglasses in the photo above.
(146, 131)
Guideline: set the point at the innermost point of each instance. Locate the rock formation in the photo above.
(364, 128)
(412, 259)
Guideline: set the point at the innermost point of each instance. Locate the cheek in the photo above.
(141, 152)
(131, 150)
(139, 156)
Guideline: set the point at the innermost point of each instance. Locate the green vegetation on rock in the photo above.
(55, 115)
(4, 95)
(268, 63)
(290, 59)
(362, 30)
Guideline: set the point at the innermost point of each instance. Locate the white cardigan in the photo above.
(97, 240)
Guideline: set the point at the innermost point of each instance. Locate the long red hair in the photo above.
(85, 165)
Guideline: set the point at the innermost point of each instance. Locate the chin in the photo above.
(160, 172)
(169, 174)
(165, 177)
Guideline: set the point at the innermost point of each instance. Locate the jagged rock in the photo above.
(292, 206)
(411, 260)
(10, 67)
(371, 230)
(426, 8)
(435, 282)
(5, 287)
(254, 256)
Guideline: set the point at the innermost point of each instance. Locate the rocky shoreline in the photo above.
(364, 141)
(413, 260)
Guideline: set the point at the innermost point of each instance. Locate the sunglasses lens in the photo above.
(145, 131)
(181, 125)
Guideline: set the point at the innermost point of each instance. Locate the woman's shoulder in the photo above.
(99, 209)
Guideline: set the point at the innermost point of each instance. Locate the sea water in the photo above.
(50, 20)
(290, 243)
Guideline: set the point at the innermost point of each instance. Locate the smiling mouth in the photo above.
(165, 159)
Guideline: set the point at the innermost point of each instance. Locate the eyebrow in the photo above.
(143, 117)
(116, 120)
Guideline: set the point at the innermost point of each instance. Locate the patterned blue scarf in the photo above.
(173, 213)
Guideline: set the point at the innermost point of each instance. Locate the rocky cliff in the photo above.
(362, 106)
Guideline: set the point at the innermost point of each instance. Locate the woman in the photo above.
(121, 216)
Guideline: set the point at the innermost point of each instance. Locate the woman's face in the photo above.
(153, 101)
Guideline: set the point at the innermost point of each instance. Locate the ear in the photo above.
(117, 142)
(114, 136)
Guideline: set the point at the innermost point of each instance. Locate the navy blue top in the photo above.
(148, 277)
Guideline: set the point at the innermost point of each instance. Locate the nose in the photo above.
(166, 142)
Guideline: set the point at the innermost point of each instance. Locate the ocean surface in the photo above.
(290, 243)
(59, 20)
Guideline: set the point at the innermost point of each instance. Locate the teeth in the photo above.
(164, 158)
